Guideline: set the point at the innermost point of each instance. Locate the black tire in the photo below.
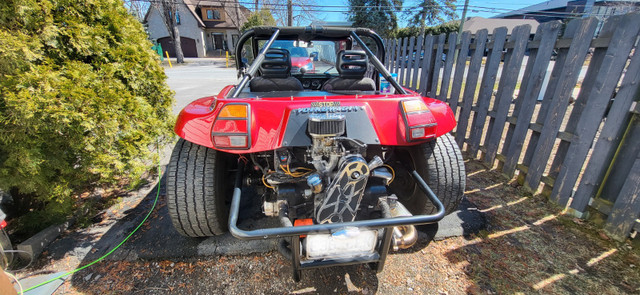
(198, 190)
(441, 165)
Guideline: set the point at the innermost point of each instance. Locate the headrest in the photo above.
(276, 64)
(352, 64)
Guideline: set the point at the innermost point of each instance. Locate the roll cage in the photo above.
(270, 34)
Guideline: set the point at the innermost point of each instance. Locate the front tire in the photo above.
(441, 165)
(197, 190)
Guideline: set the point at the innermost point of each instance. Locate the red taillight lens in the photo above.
(231, 129)
(419, 123)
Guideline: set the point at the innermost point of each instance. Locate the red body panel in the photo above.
(270, 115)
(300, 62)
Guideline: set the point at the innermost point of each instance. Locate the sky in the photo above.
(482, 8)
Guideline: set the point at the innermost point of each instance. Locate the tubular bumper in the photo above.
(280, 232)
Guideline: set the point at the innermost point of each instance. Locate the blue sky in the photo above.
(486, 8)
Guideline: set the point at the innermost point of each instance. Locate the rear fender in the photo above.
(280, 122)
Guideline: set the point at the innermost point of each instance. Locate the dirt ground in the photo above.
(528, 247)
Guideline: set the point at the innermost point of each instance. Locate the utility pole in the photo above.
(289, 13)
(255, 7)
(464, 17)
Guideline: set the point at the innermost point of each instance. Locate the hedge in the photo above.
(82, 99)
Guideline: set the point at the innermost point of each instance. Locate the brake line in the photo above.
(112, 250)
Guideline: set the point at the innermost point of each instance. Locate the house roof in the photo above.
(546, 5)
(475, 24)
(241, 14)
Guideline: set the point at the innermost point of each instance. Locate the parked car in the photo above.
(345, 169)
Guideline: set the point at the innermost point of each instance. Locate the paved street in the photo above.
(194, 81)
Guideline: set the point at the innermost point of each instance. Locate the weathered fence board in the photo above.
(470, 85)
(401, 59)
(610, 136)
(417, 63)
(569, 78)
(437, 64)
(448, 67)
(594, 103)
(396, 55)
(458, 76)
(529, 93)
(426, 64)
(513, 64)
(409, 61)
(627, 207)
(542, 129)
(486, 88)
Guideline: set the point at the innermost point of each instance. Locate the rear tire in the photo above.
(197, 190)
(441, 165)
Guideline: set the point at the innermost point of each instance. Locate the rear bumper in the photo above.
(280, 232)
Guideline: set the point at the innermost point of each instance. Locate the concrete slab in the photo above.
(47, 289)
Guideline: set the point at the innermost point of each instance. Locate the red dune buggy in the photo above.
(347, 159)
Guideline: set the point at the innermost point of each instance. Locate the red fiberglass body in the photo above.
(300, 62)
(268, 118)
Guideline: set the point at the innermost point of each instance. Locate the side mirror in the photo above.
(314, 55)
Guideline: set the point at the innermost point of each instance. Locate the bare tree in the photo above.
(302, 11)
(137, 8)
(168, 10)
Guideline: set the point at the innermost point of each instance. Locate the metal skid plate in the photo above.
(345, 192)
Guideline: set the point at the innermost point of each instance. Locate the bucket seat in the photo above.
(352, 67)
(276, 73)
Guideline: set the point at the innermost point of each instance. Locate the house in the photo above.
(207, 28)
(565, 9)
(475, 24)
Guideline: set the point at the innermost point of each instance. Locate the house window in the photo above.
(213, 14)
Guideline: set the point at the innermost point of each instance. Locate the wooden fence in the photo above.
(556, 106)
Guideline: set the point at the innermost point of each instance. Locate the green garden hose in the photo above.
(112, 250)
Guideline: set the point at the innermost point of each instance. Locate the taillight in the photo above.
(419, 123)
(232, 127)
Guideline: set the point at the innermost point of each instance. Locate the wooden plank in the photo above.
(426, 64)
(396, 55)
(458, 76)
(417, 63)
(470, 86)
(530, 88)
(401, 59)
(486, 88)
(592, 103)
(553, 81)
(568, 78)
(409, 62)
(627, 206)
(448, 67)
(385, 61)
(506, 87)
(587, 85)
(610, 136)
(437, 65)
